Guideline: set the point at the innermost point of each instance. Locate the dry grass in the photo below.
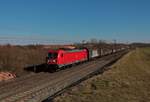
(15, 58)
(127, 81)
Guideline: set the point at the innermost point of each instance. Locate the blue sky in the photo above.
(75, 20)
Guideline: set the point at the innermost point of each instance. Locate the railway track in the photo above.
(37, 87)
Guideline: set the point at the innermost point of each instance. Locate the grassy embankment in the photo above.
(127, 81)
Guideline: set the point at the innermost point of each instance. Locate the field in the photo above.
(15, 58)
(128, 80)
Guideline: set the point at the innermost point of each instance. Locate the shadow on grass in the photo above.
(39, 68)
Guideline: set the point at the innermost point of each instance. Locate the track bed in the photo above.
(37, 87)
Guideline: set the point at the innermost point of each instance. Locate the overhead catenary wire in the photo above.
(26, 41)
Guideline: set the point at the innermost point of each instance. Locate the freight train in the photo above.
(60, 58)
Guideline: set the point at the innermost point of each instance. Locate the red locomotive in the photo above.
(63, 57)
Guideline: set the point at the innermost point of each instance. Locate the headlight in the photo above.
(54, 61)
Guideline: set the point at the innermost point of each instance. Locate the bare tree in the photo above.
(94, 41)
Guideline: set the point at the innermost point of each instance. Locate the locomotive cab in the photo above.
(52, 58)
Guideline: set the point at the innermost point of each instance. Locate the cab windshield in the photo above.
(52, 55)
